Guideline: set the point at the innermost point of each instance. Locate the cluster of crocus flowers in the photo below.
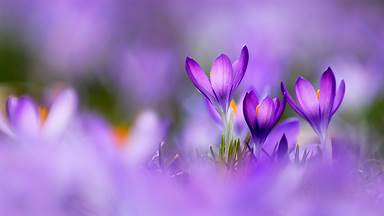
(27, 120)
(261, 116)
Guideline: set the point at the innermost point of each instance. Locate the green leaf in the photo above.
(230, 151)
(222, 148)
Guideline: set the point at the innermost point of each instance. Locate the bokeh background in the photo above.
(124, 56)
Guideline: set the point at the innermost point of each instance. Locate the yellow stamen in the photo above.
(43, 114)
(233, 106)
(120, 134)
(318, 94)
(257, 109)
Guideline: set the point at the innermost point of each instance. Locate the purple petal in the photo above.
(4, 127)
(141, 146)
(213, 112)
(280, 108)
(290, 100)
(60, 113)
(265, 113)
(239, 67)
(221, 79)
(327, 93)
(11, 106)
(25, 119)
(249, 109)
(239, 117)
(339, 97)
(282, 148)
(199, 78)
(10, 110)
(306, 95)
(289, 127)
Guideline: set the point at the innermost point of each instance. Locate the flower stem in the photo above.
(228, 130)
(326, 144)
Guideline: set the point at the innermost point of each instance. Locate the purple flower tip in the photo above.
(224, 78)
(317, 106)
(282, 148)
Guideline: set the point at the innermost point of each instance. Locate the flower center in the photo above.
(120, 134)
(233, 106)
(257, 109)
(43, 114)
(318, 94)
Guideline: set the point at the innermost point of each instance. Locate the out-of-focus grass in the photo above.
(14, 60)
(102, 98)
(375, 118)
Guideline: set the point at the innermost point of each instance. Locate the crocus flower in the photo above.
(223, 79)
(262, 116)
(26, 120)
(131, 142)
(317, 107)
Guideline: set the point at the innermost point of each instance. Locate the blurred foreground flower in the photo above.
(26, 120)
(134, 144)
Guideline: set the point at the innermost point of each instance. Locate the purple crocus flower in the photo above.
(262, 116)
(317, 107)
(223, 79)
(26, 120)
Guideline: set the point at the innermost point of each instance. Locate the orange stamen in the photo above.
(43, 114)
(120, 134)
(233, 106)
(257, 109)
(318, 94)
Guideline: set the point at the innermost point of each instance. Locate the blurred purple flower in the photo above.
(146, 83)
(71, 37)
(224, 78)
(131, 144)
(199, 131)
(26, 120)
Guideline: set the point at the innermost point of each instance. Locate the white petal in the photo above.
(60, 114)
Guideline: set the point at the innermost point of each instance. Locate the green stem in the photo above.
(228, 128)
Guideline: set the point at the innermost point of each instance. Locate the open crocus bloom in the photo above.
(317, 107)
(262, 116)
(26, 120)
(223, 79)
